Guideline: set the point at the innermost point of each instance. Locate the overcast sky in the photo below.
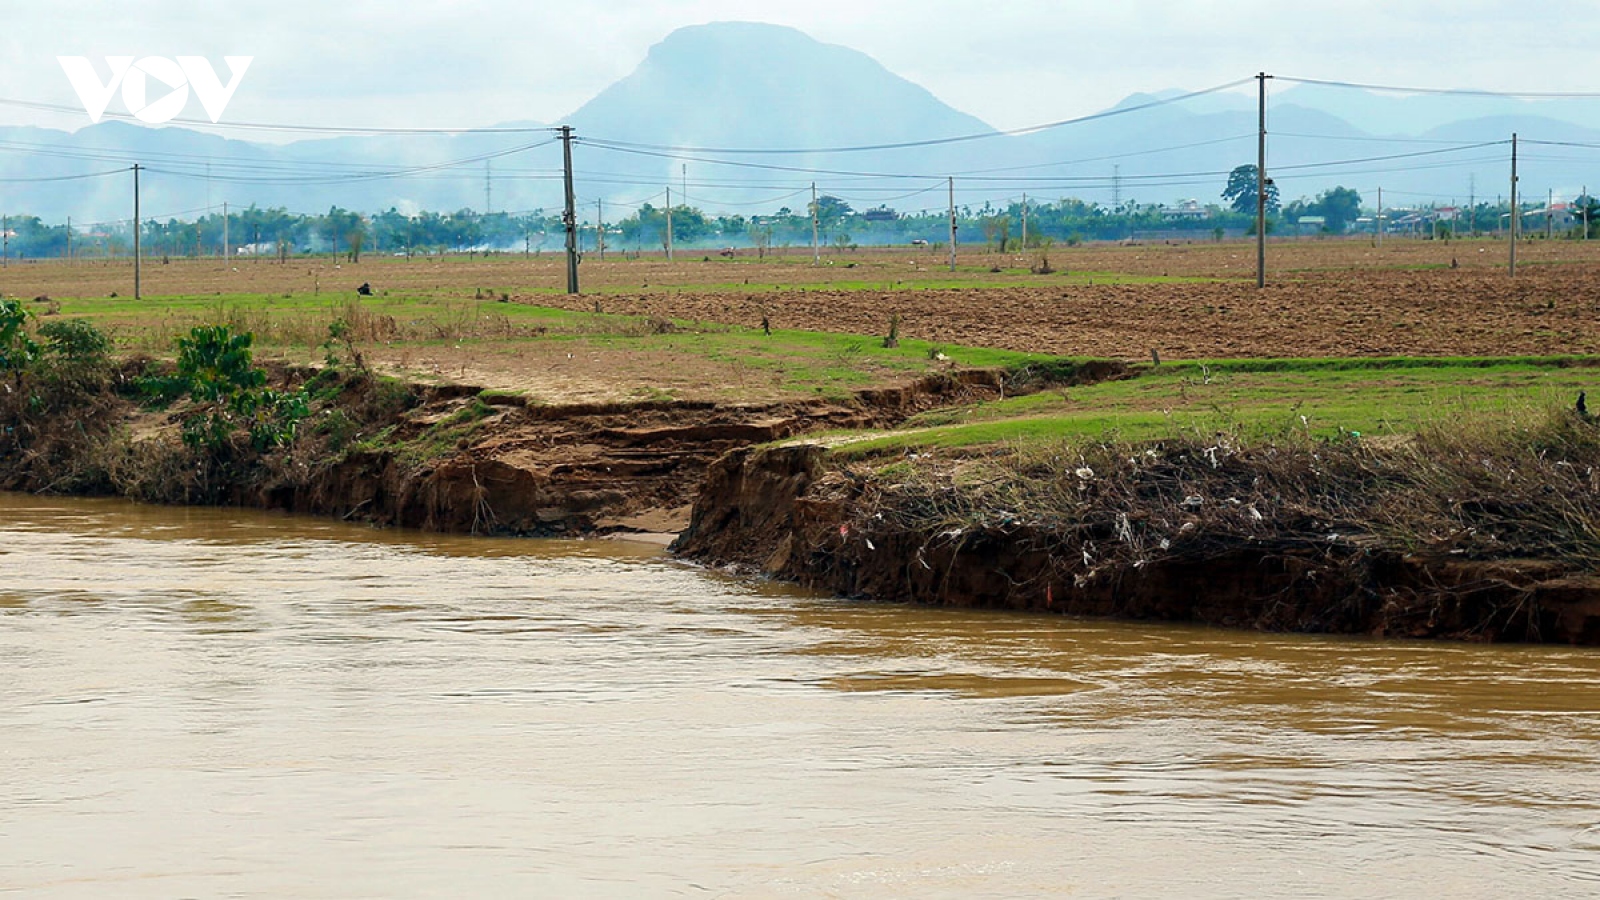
(1011, 63)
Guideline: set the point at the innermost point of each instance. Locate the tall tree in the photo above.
(1241, 191)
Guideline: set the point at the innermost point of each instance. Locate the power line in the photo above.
(269, 126)
(359, 176)
(1463, 92)
(42, 178)
(930, 142)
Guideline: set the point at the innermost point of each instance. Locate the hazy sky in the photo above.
(1012, 63)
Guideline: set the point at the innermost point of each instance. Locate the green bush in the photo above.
(217, 371)
(17, 350)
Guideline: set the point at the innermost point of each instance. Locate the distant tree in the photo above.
(1586, 209)
(1339, 206)
(1241, 191)
(997, 230)
(831, 211)
(761, 239)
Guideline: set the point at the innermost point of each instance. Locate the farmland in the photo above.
(692, 329)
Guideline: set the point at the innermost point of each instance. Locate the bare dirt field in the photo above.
(1183, 301)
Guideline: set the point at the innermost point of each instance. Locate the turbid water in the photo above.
(202, 703)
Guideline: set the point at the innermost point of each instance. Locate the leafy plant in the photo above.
(216, 370)
(17, 350)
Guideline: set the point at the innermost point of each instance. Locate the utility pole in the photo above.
(1261, 181)
(669, 222)
(1585, 208)
(1472, 204)
(225, 255)
(952, 224)
(570, 214)
(1024, 221)
(600, 227)
(816, 213)
(69, 240)
(137, 227)
(1550, 214)
(1380, 217)
(1512, 270)
(1116, 189)
(488, 187)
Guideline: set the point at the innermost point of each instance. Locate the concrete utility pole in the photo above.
(1550, 214)
(570, 215)
(1512, 269)
(69, 239)
(1380, 217)
(816, 213)
(1261, 181)
(137, 227)
(1585, 209)
(952, 224)
(669, 222)
(600, 227)
(1472, 205)
(225, 255)
(1024, 221)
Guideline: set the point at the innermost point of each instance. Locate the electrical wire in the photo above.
(931, 142)
(35, 179)
(287, 128)
(1463, 92)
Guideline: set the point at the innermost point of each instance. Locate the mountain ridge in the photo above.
(758, 88)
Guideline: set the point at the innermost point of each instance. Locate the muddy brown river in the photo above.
(203, 703)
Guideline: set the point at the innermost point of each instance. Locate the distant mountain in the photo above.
(187, 170)
(742, 84)
(717, 88)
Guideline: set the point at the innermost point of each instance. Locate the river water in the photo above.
(204, 703)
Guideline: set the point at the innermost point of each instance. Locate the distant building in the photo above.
(1186, 210)
(1311, 224)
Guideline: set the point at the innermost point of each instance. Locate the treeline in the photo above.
(276, 232)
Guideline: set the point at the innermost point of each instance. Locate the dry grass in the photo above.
(1491, 490)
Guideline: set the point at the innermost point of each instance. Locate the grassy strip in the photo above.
(812, 363)
(1258, 399)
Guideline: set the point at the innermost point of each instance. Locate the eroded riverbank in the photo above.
(1313, 536)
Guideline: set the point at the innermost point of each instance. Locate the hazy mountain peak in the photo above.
(740, 84)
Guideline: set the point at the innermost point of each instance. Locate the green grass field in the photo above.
(1320, 398)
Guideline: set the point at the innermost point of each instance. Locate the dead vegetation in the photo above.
(1524, 490)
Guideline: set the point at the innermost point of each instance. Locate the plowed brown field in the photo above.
(1324, 298)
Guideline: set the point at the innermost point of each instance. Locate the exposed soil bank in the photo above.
(575, 470)
(450, 458)
(788, 512)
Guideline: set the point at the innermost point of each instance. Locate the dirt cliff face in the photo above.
(527, 469)
(786, 512)
(448, 458)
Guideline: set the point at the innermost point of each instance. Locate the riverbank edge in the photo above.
(792, 512)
